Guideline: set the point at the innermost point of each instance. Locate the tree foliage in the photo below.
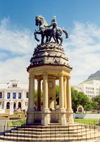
(79, 98)
(57, 94)
(96, 99)
(36, 97)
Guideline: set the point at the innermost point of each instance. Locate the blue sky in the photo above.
(17, 24)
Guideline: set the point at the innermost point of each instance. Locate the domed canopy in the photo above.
(51, 54)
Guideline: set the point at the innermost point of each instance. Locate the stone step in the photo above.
(59, 134)
(57, 124)
(50, 125)
(57, 139)
(52, 128)
(49, 132)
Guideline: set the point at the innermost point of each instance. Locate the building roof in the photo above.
(14, 82)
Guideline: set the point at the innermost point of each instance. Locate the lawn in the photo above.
(87, 121)
(83, 121)
(16, 123)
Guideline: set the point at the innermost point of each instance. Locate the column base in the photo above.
(62, 116)
(45, 117)
(30, 110)
(69, 116)
(30, 116)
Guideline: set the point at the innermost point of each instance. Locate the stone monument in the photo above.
(48, 64)
(80, 109)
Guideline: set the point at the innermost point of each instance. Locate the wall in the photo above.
(2, 110)
(87, 116)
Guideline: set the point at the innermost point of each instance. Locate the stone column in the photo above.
(61, 91)
(4, 104)
(69, 103)
(5, 98)
(11, 95)
(39, 94)
(16, 104)
(65, 100)
(62, 112)
(45, 112)
(17, 95)
(5, 94)
(30, 113)
(31, 92)
(45, 91)
(23, 105)
(22, 94)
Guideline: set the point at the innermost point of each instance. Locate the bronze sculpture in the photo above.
(49, 31)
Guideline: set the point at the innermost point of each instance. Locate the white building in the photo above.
(90, 87)
(16, 92)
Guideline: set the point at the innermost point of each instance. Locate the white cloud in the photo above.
(83, 51)
(14, 69)
(15, 41)
(16, 49)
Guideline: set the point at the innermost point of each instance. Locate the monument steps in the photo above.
(58, 139)
(50, 133)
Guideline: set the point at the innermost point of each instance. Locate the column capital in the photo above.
(45, 73)
(65, 77)
(68, 77)
(39, 79)
(61, 74)
(31, 75)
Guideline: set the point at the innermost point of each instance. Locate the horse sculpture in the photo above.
(48, 31)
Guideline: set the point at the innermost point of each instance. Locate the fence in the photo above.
(81, 131)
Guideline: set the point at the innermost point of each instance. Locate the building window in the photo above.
(14, 95)
(19, 105)
(19, 96)
(0, 94)
(14, 85)
(27, 95)
(89, 88)
(8, 105)
(8, 95)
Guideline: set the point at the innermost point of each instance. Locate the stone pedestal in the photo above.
(69, 117)
(62, 117)
(45, 117)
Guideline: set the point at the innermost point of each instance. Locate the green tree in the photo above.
(96, 99)
(57, 94)
(94, 105)
(79, 98)
(36, 97)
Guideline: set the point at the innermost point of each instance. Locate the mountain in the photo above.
(95, 75)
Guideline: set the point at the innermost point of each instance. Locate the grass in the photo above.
(16, 123)
(87, 121)
(83, 121)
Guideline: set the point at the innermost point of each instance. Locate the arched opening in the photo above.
(14, 107)
(8, 105)
(19, 105)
